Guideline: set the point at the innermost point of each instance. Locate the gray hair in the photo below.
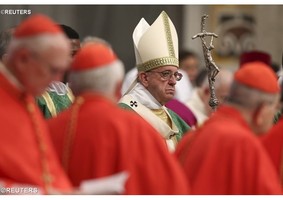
(102, 80)
(5, 39)
(38, 43)
(92, 39)
(247, 97)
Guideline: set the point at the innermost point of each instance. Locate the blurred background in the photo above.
(240, 27)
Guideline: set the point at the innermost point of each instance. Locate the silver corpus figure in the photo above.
(211, 67)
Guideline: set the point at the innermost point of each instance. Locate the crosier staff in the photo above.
(211, 67)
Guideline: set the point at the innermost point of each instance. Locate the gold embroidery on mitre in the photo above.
(158, 62)
(169, 58)
(168, 34)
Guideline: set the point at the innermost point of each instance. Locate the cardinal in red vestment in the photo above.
(37, 55)
(225, 156)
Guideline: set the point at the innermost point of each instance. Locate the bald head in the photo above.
(222, 87)
(222, 84)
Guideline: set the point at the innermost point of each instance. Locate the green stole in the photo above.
(50, 103)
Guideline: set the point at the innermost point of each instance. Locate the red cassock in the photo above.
(102, 139)
(273, 141)
(225, 157)
(27, 155)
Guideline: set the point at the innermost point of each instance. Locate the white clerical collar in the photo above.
(142, 95)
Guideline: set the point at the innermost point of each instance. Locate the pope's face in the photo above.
(160, 87)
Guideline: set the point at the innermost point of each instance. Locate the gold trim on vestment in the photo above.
(49, 103)
(163, 116)
(70, 134)
(46, 176)
(70, 94)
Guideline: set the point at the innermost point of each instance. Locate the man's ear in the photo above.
(258, 114)
(143, 78)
